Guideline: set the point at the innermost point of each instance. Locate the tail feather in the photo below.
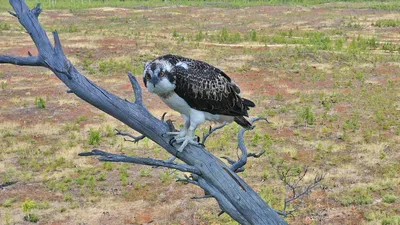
(248, 103)
(242, 121)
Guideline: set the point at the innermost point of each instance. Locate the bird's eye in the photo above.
(148, 77)
(162, 74)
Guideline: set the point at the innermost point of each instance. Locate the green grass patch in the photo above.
(357, 196)
(40, 102)
(94, 137)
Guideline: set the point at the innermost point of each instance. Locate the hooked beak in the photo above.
(154, 80)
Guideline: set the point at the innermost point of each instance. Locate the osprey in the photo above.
(198, 91)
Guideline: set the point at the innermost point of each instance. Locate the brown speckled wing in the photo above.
(207, 88)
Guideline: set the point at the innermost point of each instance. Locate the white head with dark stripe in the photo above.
(158, 77)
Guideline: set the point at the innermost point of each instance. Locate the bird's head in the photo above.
(158, 77)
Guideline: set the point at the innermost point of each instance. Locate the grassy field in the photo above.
(326, 75)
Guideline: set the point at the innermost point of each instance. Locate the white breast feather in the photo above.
(179, 104)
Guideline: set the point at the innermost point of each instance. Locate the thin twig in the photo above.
(202, 197)
(285, 174)
(212, 130)
(187, 180)
(135, 138)
(13, 14)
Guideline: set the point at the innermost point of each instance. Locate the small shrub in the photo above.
(357, 196)
(27, 207)
(253, 35)
(278, 97)
(68, 197)
(94, 137)
(80, 119)
(175, 34)
(199, 36)
(40, 102)
(351, 124)
(165, 177)
(31, 218)
(101, 177)
(72, 29)
(4, 26)
(393, 220)
(306, 115)
(108, 166)
(123, 173)
(3, 85)
(7, 203)
(145, 172)
(389, 199)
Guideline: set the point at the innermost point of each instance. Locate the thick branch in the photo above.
(110, 157)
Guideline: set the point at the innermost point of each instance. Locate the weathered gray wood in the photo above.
(233, 195)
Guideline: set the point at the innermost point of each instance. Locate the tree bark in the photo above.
(233, 195)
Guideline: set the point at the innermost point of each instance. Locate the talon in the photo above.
(171, 142)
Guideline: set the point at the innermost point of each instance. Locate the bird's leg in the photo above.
(189, 138)
(182, 132)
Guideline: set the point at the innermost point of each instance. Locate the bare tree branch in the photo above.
(212, 130)
(21, 61)
(187, 180)
(202, 197)
(110, 157)
(136, 139)
(136, 89)
(243, 159)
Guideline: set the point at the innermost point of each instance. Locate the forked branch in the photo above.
(110, 157)
(292, 178)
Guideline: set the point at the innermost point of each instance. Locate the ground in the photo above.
(326, 76)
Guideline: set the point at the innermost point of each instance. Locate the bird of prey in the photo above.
(198, 91)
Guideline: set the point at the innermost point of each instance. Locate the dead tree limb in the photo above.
(136, 139)
(233, 195)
